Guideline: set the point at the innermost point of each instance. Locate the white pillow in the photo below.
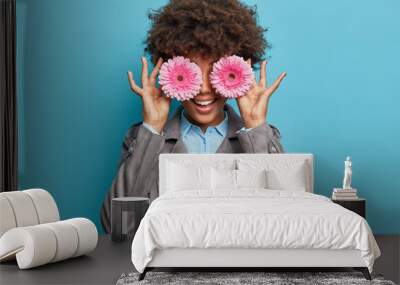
(251, 178)
(292, 179)
(229, 179)
(282, 174)
(223, 179)
(182, 177)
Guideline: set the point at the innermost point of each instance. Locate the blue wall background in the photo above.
(340, 96)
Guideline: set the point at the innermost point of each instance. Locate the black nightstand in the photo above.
(357, 206)
(120, 207)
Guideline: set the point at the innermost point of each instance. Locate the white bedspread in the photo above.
(252, 218)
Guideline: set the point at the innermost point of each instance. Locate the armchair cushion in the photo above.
(26, 208)
(45, 243)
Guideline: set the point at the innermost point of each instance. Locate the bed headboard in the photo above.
(231, 158)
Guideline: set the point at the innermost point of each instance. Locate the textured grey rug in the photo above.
(230, 278)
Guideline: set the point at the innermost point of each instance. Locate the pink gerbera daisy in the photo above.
(179, 78)
(231, 76)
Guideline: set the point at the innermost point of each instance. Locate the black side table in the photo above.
(120, 208)
(358, 206)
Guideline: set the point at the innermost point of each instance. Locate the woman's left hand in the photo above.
(254, 105)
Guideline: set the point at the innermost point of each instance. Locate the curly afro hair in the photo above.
(211, 28)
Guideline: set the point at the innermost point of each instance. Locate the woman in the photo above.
(202, 31)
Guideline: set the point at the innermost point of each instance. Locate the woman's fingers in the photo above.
(133, 85)
(275, 85)
(157, 92)
(152, 89)
(263, 74)
(155, 71)
(145, 71)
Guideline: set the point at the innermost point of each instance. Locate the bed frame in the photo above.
(248, 259)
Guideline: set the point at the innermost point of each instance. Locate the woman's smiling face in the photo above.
(206, 109)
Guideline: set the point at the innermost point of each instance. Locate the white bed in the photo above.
(201, 220)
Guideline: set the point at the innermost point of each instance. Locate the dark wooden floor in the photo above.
(110, 260)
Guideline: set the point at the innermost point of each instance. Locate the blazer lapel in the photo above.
(173, 132)
(179, 147)
(234, 124)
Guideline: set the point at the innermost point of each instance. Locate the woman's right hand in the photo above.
(155, 104)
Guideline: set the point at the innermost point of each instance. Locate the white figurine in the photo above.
(347, 174)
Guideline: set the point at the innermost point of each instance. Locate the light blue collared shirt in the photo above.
(198, 142)
(195, 140)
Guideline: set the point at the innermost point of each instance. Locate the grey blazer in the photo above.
(138, 167)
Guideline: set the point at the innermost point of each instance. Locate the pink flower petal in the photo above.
(231, 76)
(179, 78)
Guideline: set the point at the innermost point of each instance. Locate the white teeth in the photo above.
(204, 103)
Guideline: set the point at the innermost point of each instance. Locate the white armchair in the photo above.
(31, 231)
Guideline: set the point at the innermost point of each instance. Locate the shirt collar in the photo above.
(221, 128)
